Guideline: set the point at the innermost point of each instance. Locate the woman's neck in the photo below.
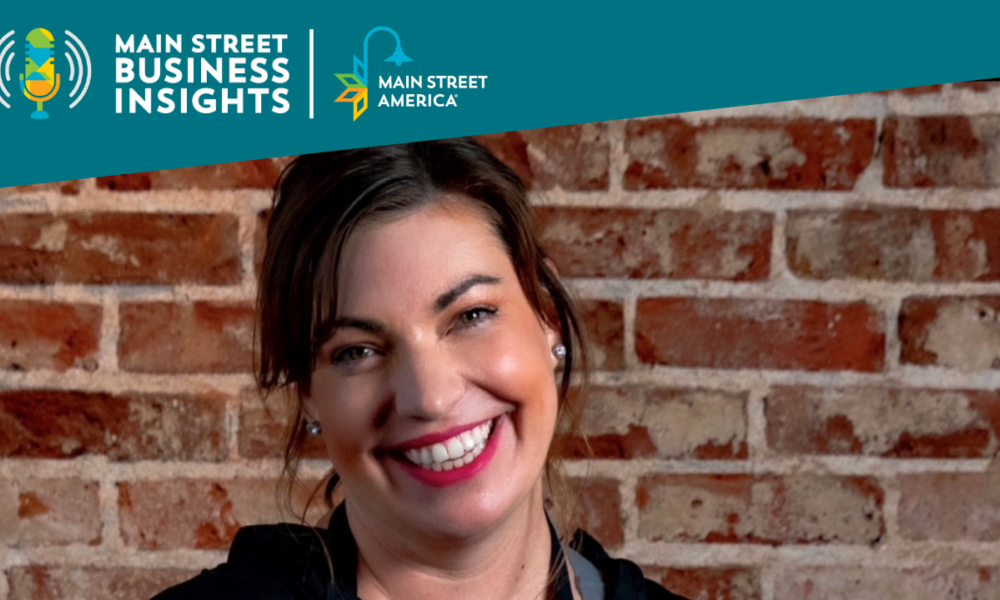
(511, 562)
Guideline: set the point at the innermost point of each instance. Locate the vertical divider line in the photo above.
(311, 86)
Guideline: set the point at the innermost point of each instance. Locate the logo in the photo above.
(40, 82)
(357, 90)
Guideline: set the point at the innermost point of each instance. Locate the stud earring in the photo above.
(313, 428)
(559, 351)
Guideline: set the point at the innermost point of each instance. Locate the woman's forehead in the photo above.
(419, 255)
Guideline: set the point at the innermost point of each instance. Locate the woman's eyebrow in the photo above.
(367, 325)
(445, 299)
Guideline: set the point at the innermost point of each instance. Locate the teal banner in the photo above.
(94, 89)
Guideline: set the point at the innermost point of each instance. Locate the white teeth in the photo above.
(453, 453)
(455, 448)
(439, 453)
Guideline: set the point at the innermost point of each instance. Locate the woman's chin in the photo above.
(461, 522)
(471, 515)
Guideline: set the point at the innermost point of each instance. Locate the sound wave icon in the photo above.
(78, 63)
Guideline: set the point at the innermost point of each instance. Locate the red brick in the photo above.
(958, 332)
(859, 583)
(262, 434)
(67, 188)
(748, 153)
(895, 244)
(766, 509)
(49, 512)
(708, 583)
(730, 333)
(941, 151)
(675, 244)
(605, 330)
(259, 174)
(892, 423)
(977, 86)
(119, 248)
(39, 335)
(919, 90)
(64, 424)
(197, 513)
(950, 506)
(574, 157)
(595, 506)
(40, 582)
(208, 337)
(638, 422)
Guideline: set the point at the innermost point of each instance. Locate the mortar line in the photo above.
(768, 577)
(617, 157)
(629, 313)
(779, 271)
(110, 333)
(232, 424)
(890, 508)
(756, 433)
(868, 193)
(247, 243)
(111, 533)
(893, 344)
(627, 489)
(4, 573)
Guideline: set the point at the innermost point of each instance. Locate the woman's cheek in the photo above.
(344, 406)
(513, 366)
(500, 356)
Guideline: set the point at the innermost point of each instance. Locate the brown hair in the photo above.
(320, 199)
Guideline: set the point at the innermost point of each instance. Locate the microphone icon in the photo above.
(39, 82)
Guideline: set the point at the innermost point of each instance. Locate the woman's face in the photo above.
(436, 391)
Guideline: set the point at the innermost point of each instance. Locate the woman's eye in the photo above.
(475, 315)
(352, 354)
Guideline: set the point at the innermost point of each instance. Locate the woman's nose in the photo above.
(428, 383)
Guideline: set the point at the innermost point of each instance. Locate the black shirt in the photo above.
(289, 562)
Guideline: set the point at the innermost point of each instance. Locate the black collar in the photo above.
(344, 554)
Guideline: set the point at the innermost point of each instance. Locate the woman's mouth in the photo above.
(455, 452)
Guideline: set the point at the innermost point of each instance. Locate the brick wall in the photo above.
(796, 315)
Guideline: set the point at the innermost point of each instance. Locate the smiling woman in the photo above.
(408, 308)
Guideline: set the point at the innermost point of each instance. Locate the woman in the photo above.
(406, 302)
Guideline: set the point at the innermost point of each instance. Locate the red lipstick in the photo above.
(433, 438)
(459, 474)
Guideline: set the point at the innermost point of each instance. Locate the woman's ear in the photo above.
(551, 265)
(552, 319)
(554, 340)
